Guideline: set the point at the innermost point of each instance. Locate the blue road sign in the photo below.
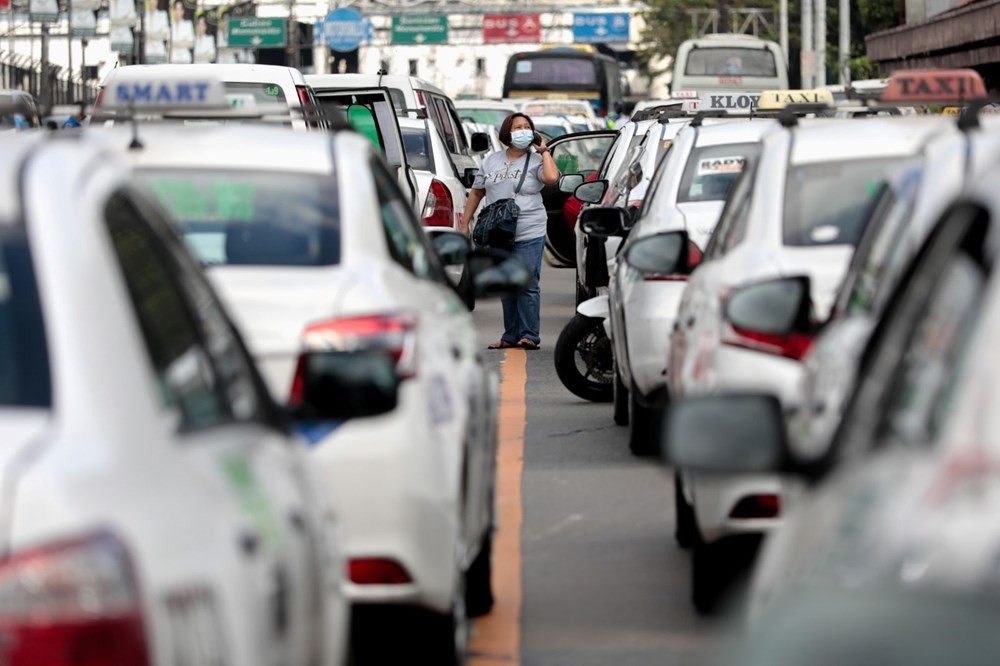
(343, 29)
(592, 27)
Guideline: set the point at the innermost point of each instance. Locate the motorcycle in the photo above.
(583, 355)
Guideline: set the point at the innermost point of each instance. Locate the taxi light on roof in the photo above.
(775, 100)
(168, 93)
(934, 86)
(734, 102)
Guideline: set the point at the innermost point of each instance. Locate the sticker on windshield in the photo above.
(719, 165)
(216, 201)
(273, 91)
(524, 67)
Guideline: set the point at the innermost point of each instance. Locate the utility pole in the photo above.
(45, 87)
(783, 28)
(844, 47)
(808, 56)
(69, 48)
(820, 43)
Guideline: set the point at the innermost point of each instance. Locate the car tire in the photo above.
(644, 427)
(620, 400)
(479, 581)
(684, 525)
(584, 339)
(707, 560)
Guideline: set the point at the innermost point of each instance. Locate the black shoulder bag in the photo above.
(496, 225)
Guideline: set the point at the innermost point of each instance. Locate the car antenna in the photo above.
(135, 144)
(381, 72)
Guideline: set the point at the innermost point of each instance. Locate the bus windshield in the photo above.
(731, 61)
(559, 71)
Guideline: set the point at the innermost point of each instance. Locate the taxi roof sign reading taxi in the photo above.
(775, 100)
(930, 86)
(170, 93)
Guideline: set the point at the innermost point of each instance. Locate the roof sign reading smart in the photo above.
(732, 102)
(164, 93)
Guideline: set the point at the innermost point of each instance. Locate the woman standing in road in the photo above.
(497, 179)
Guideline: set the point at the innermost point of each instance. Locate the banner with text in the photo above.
(512, 29)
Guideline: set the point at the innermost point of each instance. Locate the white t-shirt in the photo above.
(499, 176)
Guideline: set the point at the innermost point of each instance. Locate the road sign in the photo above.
(420, 29)
(343, 29)
(591, 28)
(257, 33)
(512, 29)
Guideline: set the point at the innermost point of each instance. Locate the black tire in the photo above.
(707, 576)
(684, 525)
(644, 427)
(479, 581)
(620, 400)
(584, 359)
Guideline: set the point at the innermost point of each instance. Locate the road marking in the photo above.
(497, 639)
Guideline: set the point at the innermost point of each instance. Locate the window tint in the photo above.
(253, 218)
(239, 94)
(418, 148)
(24, 361)
(712, 170)
(830, 203)
(407, 244)
(439, 112)
(730, 61)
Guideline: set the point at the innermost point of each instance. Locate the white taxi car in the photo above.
(157, 510)
(798, 209)
(312, 245)
(441, 193)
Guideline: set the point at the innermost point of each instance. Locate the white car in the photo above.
(312, 246)
(554, 126)
(441, 192)
(578, 112)
(487, 111)
(687, 194)
(157, 510)
(798, 209)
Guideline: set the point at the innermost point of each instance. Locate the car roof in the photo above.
(831, 140)
(229, 73)
(369, 80)
(734, 131)
(226, 147)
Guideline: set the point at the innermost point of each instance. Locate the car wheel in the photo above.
(707, 561)
(479, 581)
(620, 400)
(644, 427)
(684, 526)
(584, 359)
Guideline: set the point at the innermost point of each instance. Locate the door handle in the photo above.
(456, 352)
(690, 322)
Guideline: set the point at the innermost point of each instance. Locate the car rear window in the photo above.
(417, 145)
(830, 203)
(261, 93)
(712, 170)
(24, 363)
(717, 61)
(253, 218)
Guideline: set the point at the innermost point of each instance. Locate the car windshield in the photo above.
(24, 366)
(493, 117)
(417, 145)
(830, 203)
(255, 218)
(712, 170)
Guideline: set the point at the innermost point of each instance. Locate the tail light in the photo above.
(793, 345)
(75, 602)
(439, 208)
(757, 506)
(377, 571)
(396, 335)
(694, 258)
(308, 111)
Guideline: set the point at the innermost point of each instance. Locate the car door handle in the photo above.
(690, 322)
(249, 542)
(456, 352)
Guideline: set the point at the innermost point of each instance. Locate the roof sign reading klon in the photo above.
(934, 86)
(731, 102)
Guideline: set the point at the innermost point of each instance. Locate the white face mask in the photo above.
(521, 138)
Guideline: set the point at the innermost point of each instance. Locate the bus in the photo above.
(565, 73)
(729, 62)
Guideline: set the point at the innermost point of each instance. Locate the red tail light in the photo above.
(75, 603)
(307, 106)
(694, 258)
(396, 335)
(377, 571)
(439, 208)
(757, 506)
(793, 345)
(695, 255)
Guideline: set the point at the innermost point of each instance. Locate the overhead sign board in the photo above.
(591, 28)
(420, 29)
(512, 29)
(343, 29)
(257, 33)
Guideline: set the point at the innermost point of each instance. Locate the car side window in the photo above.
(406, 245)
(184, 373)
(444, 124)
(731, 228)
(581, 155)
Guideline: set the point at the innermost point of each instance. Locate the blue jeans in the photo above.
(522, 313)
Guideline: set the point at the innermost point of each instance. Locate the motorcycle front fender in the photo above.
(598, 307)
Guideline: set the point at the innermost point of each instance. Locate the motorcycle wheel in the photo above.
(584, 360)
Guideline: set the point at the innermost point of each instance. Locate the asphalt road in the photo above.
(602, 579)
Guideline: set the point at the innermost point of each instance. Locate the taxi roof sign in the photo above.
(734, 102)
(929, 86)
(775, 100)
(171, 92)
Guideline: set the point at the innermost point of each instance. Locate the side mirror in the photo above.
(726, 433)
(775, 307)
(452, 247)
(479, 142)
(660, 254)
(343, 385)
(496, 273)
(602, 222)
(591, 192)
(468, 178)
(570, 182)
